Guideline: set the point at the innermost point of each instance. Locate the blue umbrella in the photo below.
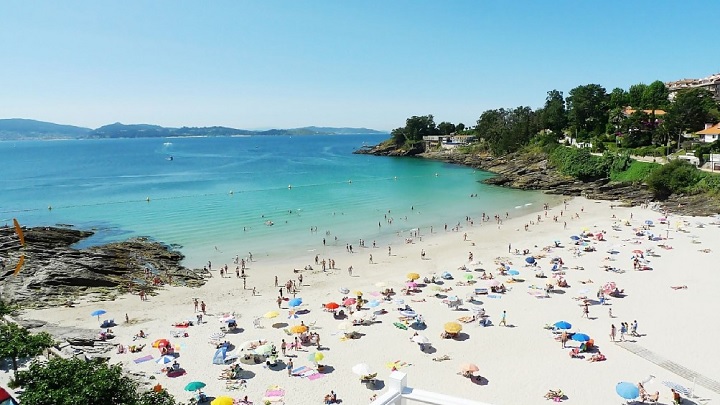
(513, 272)
(581, 337)
(648, 222)
(295, 302)
(373, 303)
(530, 259)
(563, 325)
(627, 390)
(98, 313)
(575, 237)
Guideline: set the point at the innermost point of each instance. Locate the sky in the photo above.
(373, 63)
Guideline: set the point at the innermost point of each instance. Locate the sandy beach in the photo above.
(518, 363)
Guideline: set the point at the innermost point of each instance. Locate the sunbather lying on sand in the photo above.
(586, 282)
(679, 287)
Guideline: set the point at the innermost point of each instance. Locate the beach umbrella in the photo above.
(295, 302)
(580, 337)
(217, 335)
(359, 315)
(409, 314)
(411, 284)
(345, 325)
(413, 276)
(165, 359)
(513, 272)
(373, 303)
(420, 339)
(298, 329)
(469, 276)
(381, 284)
(648, 222)
(677, 387)
(575, 237)
(469, 368)
(316, 357)
(609, 287)
(161, 343)
(344, 290)
(194, 386)
(332, 305)
(453, 298)
(452, 327)
(627, 390)
(271, 314)
(362, 369)
(223, 400)
(492, 283)
(562, 325)
(292, 314)
(358, 293)
(399, 301)
(530, 260)
(263, 350)
(349, 301)
(98, 313)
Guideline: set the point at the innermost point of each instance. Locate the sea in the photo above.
(214, 198)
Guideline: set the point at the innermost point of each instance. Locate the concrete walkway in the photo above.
(671, 366)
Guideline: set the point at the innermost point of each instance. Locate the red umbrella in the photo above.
(332, 305)
(350, 301)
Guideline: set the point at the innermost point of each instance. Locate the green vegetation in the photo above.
(17, 343)
(637, 172)
(74, 381)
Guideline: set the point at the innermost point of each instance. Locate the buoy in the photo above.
(289, 186)
(232, 192)
(349, 181)
(147, 199)
(395, 177)
(50, 207)
(436, 175)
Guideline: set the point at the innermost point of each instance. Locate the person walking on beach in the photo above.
(389, 251)
(563, 338)
(623, 330)
(283, 347)
(244, 283)
(276, 281)
(503, 319)
(350, 271)
(613, 331)
(195, 301)
(202, 307)
(371, 262)
(237, 271)
(279, 301)
(289, 367)
(586, 311)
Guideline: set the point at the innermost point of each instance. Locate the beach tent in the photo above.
(220, 355)
(6, 399)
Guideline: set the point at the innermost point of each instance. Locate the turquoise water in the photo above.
(216, 196)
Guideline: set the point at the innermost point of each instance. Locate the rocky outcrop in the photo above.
(390, 149)
(56, 273)
(532, 172)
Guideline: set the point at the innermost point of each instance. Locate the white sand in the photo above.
(519, 364)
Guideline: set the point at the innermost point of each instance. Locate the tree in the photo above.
(554, 115)
(618, 99)
(674, 177)
(691, 109)
(635, 95)
(446, 128)
(415, 128)
(72, 381)
(655, 96)
(506, 130)
(18, 343)
(587, 110)
(5, 308)
(460, 127)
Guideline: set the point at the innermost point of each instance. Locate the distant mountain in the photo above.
(19, 128)
(15, 129)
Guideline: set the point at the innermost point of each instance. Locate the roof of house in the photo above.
(630, 111)
(713, 130)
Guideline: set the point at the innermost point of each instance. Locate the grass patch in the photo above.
(636, 172)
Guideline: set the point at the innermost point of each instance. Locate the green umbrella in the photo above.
(468, 277)
(194, 386)
(263, 350)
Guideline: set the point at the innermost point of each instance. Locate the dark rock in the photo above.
(54, 272)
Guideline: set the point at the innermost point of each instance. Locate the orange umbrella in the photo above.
(161, 343)
(332, 305)
(469, 368)
(298, 329)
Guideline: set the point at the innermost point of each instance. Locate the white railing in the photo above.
(400, 394)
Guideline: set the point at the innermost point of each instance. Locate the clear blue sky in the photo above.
(372, 63)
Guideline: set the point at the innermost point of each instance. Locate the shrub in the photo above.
(676, 177)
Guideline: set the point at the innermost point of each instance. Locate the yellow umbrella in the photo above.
(316, 357)
(358, 293)
(453, 327)
(298, 329)
(222, 400)
(413, 276)
(271, 314)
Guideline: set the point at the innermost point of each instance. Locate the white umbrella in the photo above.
(344, 290)
(362, 369)
(492, 283)
(421, 339)
(217, 336)
(360, 315)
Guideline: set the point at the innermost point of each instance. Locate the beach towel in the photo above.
(301, 370)
(494, 296)
(278, 392)
(143, 359)
(400, 325)
(313, 377)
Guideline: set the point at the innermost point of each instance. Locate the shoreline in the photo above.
(496, 350)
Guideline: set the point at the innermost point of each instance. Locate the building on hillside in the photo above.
(710, 83)
(447, 141)
(710, 134)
